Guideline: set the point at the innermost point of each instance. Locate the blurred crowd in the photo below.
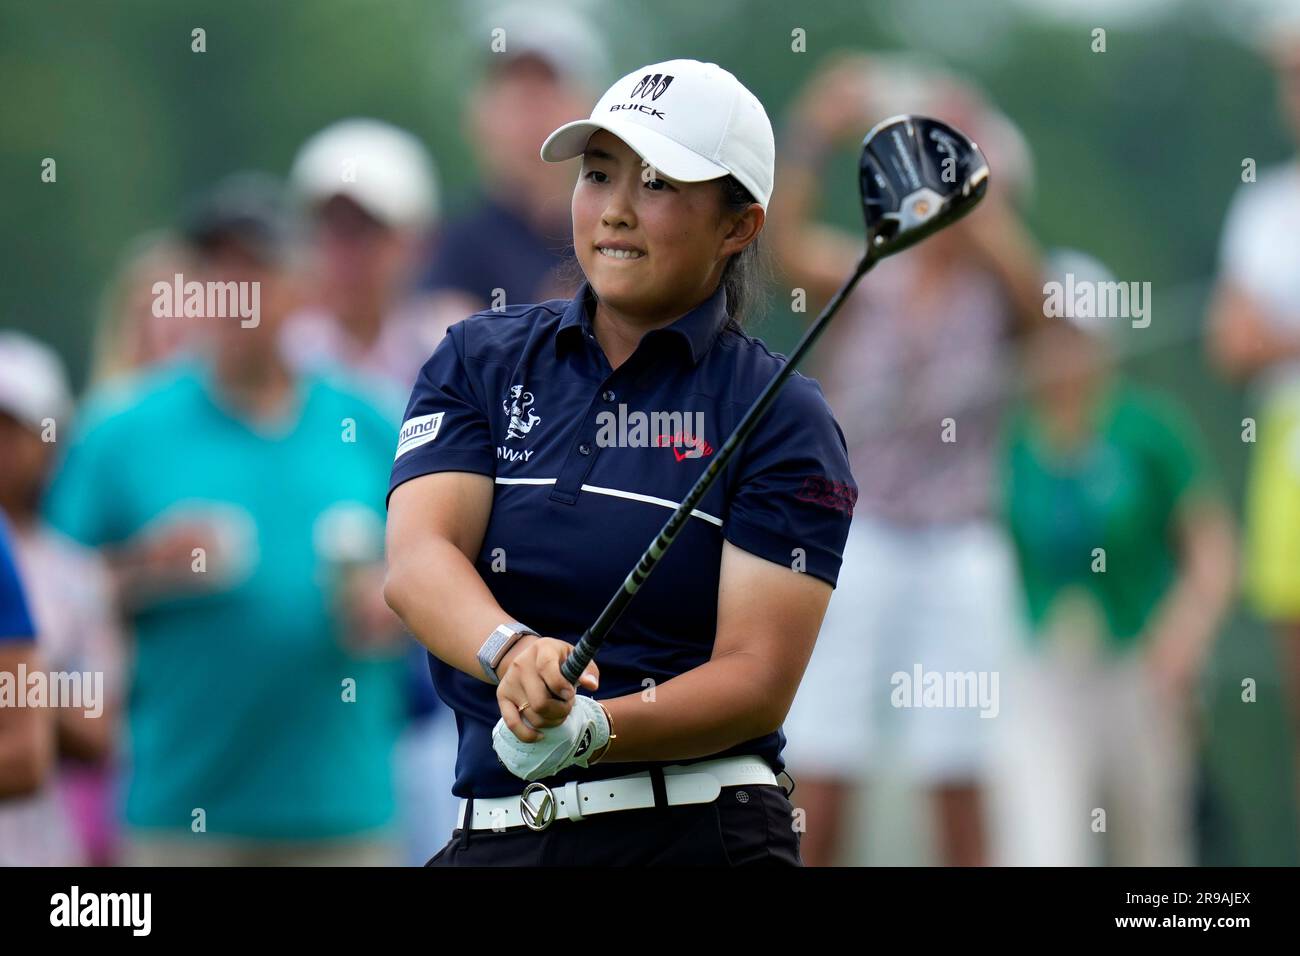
(204, 527)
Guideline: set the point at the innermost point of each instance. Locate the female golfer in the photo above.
(543, 448)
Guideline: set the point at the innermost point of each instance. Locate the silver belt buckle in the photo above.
(538, 811)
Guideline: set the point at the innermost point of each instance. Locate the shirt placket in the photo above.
(584, 451)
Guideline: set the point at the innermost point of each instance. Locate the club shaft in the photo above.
(595, 635)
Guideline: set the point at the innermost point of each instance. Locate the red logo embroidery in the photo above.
(829, 494)
(685, 445)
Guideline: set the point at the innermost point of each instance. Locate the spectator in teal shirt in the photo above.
(241, 507)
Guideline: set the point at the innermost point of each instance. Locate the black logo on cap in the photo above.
(652, 85)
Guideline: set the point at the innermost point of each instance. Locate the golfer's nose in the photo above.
(620, 209)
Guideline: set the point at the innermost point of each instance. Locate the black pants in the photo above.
(746, 825)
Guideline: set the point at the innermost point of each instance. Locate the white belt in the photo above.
(539, 805)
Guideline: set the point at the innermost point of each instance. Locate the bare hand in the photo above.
(533, 693)
(164, 560)
(836, 102)
(369, 624)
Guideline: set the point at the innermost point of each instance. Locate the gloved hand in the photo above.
(582, 735)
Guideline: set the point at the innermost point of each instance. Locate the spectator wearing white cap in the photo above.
(69, 594)
(370, 194)
(511, 244)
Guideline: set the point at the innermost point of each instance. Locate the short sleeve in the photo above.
(445, 427)
(15, 616)
(793, 500)
(1177, 453)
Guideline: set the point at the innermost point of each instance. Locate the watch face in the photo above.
(502, 639)
(498, 643)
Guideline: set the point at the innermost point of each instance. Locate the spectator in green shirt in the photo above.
(1127, 559)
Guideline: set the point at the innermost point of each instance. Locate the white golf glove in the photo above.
(573, 743)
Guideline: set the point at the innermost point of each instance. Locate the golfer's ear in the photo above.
(745, 229)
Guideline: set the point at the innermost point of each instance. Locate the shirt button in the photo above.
(607, 395)
(584, 449)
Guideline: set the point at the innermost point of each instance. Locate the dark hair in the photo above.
(744, 273)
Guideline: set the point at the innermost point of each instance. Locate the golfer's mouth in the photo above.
(620, 250)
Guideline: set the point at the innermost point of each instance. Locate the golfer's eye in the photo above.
(657, 185)
(595, 172)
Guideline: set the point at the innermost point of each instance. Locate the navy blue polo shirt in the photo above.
(527, 397)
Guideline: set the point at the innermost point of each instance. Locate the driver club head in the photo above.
(917, 175)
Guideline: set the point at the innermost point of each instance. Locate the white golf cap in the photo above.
(1074, 269)
(384, 170)
(554, 33)
(33, 383)
(691, 121)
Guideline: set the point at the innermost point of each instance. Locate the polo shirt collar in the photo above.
(276, 428)
(698, 328)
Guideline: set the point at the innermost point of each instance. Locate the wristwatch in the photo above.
(495, 647)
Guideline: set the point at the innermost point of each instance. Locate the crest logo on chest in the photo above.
(519, 406)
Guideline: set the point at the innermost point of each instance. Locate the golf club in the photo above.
(916, 176)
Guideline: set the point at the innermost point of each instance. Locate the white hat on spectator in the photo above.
(557, 35)
(383, 169)
(33, 383)
(1071, 269)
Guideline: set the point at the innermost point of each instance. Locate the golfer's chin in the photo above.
(624, 286)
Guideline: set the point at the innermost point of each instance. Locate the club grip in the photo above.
(577, 662)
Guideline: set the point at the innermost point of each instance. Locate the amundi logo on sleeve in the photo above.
(418, 431)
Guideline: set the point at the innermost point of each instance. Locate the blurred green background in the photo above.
(1137, 152)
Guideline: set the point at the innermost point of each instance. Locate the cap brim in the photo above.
(666, 155)
(374, 206)
(266, 243)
